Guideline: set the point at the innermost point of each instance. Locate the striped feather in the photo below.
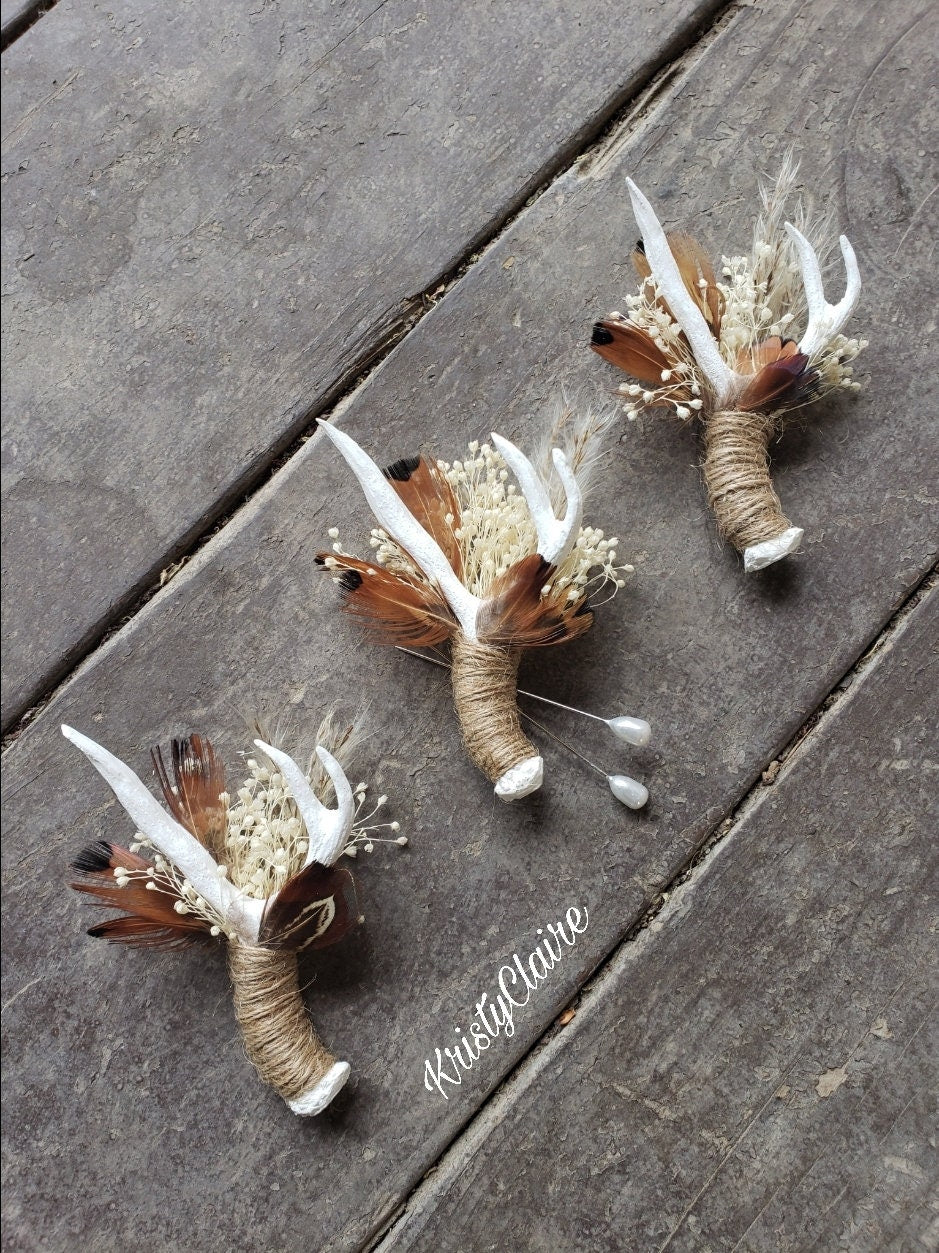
(193, 789)
(516, 615)
(149, 919)
(393, 608)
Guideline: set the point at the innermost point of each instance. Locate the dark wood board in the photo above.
(17, 15)
(132, 1079)
(215, 216)
(757, 1071)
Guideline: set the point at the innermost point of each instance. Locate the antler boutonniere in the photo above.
(722, 352)
(463, 554)
(256, 869)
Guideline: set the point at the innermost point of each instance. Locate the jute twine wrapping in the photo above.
(279, 1037)
(736, 473)
(484, 692)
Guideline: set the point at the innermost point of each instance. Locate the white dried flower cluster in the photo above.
(265, 841)
(683, 385)
(363, 829)
(162, 875)
(496, 530)
(751, 312)
(833, 364)
(265, 844)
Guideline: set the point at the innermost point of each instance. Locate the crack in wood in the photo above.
(621, 119)
(684, 878)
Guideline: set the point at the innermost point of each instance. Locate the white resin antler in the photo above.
(825, 320)
(556, 536)
(723, 380)
(328, 830)
(172, 839)
(392, 514)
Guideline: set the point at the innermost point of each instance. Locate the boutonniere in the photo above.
(254, 869)
(463, 554)
(724, 352)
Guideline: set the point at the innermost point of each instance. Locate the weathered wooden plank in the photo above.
(16, 15)
(726, 669)
(216, 214)
(758, 1071)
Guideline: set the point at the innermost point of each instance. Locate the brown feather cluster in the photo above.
(401, 606)
(147, 896)
(779, 372)
(315, 907)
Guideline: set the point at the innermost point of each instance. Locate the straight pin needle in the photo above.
(627, 791)
(631, 730)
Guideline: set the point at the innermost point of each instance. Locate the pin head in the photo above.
(627, 791)
(632, 730)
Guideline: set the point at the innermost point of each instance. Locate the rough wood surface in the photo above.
(758, 1071)
(16, 15)
(215, 214)
(129, 1088)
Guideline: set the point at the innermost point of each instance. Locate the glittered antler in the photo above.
(392, 514)
(464, 556)
(683, 305)
(718, 351)
(195, 863)
(275, 894)
(328, 829)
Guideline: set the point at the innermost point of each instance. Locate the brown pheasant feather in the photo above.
(780, 374)
(393, 608)
(149, 919)
(192, 792)
(314, 909)
(426, 492)
(697, 273)
(517, 615)
(631, 349)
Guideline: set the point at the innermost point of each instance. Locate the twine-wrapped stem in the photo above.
(736, 473)
(484, 692)
(740, 492)
(278, 1034)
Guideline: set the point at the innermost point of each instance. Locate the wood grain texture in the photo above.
(16, 16)
(216, 215)
(757, 1071)
(130, 1082)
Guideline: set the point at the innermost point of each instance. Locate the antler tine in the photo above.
(689, 317)
(172, 839)
(555, 536)
(327, 829)
(391, 513)
(574, 513)
(825, 320)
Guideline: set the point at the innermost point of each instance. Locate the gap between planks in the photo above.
(27, 17)
(472, 1133)
(586, 155)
